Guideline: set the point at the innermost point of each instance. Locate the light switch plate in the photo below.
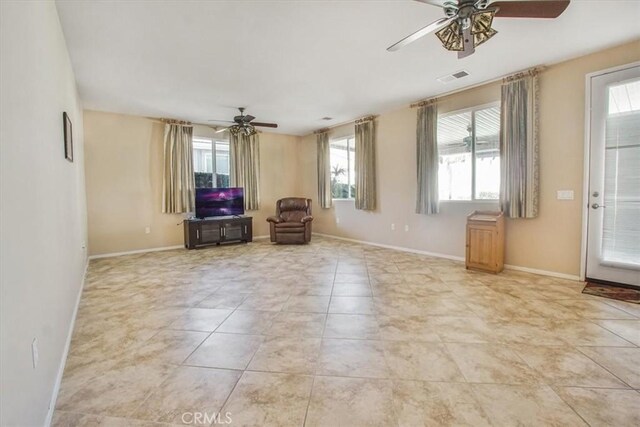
(564, 195)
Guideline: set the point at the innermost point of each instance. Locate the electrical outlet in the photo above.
(34, 353)
(393, 226)
(406, 228)
(147, 230)
(337, 220)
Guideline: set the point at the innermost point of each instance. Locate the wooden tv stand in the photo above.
(213, 231)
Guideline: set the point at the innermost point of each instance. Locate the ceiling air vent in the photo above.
(327, 118)
(451, 77)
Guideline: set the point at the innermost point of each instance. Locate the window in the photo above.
(211, 159)
(343, 174)
(469, 154)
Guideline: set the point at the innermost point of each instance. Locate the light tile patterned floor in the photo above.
(336, 333)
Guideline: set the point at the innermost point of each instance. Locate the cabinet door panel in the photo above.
(481, 247)
(209, 233)
(232, 230)
(246, 230)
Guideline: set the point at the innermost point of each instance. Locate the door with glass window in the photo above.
(613, 231)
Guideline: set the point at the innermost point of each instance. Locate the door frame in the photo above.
(587, 160)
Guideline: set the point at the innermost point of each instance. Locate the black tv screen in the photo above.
(219, 202)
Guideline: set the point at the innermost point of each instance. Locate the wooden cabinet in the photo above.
(485, 241)
(213, 231)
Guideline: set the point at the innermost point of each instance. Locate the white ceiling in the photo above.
(294, 62)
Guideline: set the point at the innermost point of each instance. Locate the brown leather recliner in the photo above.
(292, 222)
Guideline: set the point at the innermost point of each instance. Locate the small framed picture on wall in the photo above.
(68, 137)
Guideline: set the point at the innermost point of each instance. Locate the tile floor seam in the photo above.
(306, 412)
(575, 411)
(604, 367)
(460, 287)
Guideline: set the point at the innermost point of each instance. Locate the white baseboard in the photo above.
(65, 353)
(163, 248)
(137, 251)
(398, 248)
(543, 272)
(453, 257)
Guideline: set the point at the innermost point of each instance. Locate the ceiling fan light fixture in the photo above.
(246, 130)
(451, 37)
(482, 21)
(480, 38)
(481, 26)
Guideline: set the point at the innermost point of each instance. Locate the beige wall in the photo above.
(550, 242)
(42, 209)
(124, 182)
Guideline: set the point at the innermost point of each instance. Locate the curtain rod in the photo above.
(365, 119)
(183, 122)
(522, 73)
(356, 121)
(424, 103)
(171, 121)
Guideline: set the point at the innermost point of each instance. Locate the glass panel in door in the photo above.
(613, 250)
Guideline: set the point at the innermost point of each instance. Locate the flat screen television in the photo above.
(219, 202)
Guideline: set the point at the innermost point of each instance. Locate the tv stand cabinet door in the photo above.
(247, 230)
(209, 232)
(232, 230)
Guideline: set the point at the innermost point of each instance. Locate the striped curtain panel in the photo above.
(519, 148)
(365, 165)
(245, 167)
(324, 170)
(427, 158)
(178, 186)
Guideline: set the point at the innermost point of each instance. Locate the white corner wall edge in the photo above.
(65, 353)
(142, 251)
(455, 258)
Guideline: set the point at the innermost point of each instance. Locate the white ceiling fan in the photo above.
(467, 23)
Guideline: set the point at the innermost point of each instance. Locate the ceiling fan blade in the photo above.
(420, 33)
(225, 121)
(221, 130)
(530, 9)
(265, 125)
(248, 118)
(437, 3)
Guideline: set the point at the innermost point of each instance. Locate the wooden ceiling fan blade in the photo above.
(265, 125)
(530, 9)
(248, 118)
(420, 33)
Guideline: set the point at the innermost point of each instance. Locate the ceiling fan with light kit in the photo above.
(243, 124)
(467, 23)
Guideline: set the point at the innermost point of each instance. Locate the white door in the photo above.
(613, 240)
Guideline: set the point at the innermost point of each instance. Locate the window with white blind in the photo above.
(469, 154)
(211, 162)
(621, 228)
